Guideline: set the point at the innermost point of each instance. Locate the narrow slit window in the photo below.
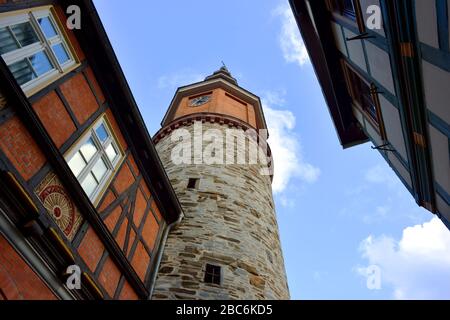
(192, 183)
(213, 274)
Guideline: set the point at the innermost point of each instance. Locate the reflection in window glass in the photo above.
(22, 71)
(25, 34)
(77, 164)
(89, 184)
(111, 152)
(88, 149)
(7, 42)
(47, 27)
(60, 53)
(101, 133)
(99, 169)
(40, 62)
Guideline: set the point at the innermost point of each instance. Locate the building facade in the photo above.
(227, 246)
(81, 183)
(384, 67)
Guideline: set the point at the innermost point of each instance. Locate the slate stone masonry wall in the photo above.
(230, 221)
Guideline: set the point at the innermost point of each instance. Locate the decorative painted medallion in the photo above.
(59, 205)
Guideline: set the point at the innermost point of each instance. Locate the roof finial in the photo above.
(224, 66)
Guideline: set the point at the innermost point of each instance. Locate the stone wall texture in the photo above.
(229, 221)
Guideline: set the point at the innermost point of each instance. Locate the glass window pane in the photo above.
(41, 63)
(111, 152)
(99, 169)
(25, 34)
(102, 133)
(88, 149)
(89, 184)
(77, 164)
(22, 71)
(60, 53)
(47, 27)
(7, 42)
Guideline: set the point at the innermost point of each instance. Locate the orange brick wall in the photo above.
(17, 280)
(19, 147)
(55, 118)
(222, 104)
(80, 97)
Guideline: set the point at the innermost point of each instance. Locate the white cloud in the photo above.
(285, 145)
(181, 78)
(417, 266)
(291, 43)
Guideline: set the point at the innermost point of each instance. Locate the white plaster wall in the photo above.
(393, 125)
(339, 37)
(355, 50)
(400, 168)
(427, 22)
(380, 66)
(437, 92)
(373, 133)
(443, 207)
(440, 155)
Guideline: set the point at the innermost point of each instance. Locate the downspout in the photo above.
(161, 251)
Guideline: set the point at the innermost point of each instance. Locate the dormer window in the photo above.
(34, 48)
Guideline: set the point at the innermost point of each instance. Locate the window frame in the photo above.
(111, 165)
(43, 44)
(357, 19)
(377, 123)
(216, 278)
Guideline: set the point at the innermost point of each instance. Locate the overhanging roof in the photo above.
(319, 42)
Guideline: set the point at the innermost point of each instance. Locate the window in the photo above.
(34, 48)
(365, 97)
(361, 93)
(212, 274)
(350, 9)
(94, 159)
(192, 183)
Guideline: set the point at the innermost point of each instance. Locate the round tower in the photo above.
(227, 246)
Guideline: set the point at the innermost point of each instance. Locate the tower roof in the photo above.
(223, 73)
(220, 79)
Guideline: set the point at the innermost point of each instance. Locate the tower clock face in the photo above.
(199, 101)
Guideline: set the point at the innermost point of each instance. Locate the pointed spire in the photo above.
(222, 73)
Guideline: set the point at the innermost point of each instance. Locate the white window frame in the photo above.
(100, 153)
(44, 44)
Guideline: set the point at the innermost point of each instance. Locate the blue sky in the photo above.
(339, 211)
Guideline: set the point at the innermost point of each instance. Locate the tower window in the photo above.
(192, 183)
(213, 274)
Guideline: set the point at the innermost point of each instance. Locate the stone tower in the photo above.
(227, 246)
